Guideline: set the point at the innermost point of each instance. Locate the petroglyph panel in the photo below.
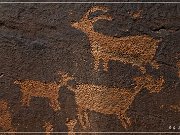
(119, 67)
(71, 124)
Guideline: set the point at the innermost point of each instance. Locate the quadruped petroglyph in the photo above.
(111, 100)
(172, 107)
(136, 50)
(31, 88)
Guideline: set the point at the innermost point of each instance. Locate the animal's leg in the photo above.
(25, 99)
(80, 118)
(155, 64)
(87, 119)
(105, 65)
(55, 104)
(28, 100)
(128, 121)
(96, 64)
(11, 129)
(8, 129)
(6, 123)
(125, 121)
(142, 69)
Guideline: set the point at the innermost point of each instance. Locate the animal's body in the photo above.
(106, 100)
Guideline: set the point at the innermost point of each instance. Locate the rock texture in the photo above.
(38, 40)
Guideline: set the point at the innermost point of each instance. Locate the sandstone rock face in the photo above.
(79, 67)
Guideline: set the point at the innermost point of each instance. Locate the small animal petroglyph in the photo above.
(48, 128)
(111, 100)
(5, 117)
(31, 88)
(71, 124)
(136, 50)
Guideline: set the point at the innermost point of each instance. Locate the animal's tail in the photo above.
(17, 82)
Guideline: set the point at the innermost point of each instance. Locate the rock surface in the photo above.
(38, 40)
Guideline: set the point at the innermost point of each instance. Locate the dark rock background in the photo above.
(37, 40)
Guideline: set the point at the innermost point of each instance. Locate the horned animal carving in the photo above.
(5, 117)
(136, 50)
(111, 100)
(31, 88)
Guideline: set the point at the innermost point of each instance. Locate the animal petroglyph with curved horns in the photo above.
(111, 100)
(31, 88)
(136, 50)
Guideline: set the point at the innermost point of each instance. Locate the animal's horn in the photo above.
(103, 17)
(93, 9)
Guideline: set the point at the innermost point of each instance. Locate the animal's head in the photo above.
(86, 24)
(148, 82)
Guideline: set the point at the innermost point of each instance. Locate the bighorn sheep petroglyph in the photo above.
(5, 117)
(136, 50)
(31, 88)
(111, 100)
